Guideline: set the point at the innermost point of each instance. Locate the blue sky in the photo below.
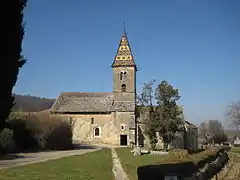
(195, 45)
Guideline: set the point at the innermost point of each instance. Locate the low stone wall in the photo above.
(211, 169)
(204, 170)
(225, 167)
(231, 169)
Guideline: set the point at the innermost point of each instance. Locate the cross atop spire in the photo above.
(124, 27)
(124, 55)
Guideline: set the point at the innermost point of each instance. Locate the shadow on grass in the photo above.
(73, 147)
(181, 170)
(15, 155)
(79, 146)
(11, 157)
(158, 172)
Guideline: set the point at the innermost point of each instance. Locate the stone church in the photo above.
(110, 118)
(104, 117)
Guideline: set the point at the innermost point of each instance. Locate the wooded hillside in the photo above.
(26, 103)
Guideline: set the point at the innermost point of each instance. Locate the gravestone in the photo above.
(137, 151)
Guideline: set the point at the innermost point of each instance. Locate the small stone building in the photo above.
(185, 139)
(104, 117)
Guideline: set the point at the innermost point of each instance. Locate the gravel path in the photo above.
(118, 171)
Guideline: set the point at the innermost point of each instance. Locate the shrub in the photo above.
(17, 115)
(23, 136)
(42, 132)
(40, 126)
(60, 137)
(179, 153)
(50, 132)
(6, 141)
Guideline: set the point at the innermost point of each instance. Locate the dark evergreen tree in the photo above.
(12, 33)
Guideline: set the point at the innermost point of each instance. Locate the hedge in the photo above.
(36, 132)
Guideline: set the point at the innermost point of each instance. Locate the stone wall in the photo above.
(124, 97)
(130, 79)
(84, 125)
(126, 123)
(111, 126)
(178, 142)
(186, 170)
(211, 169)
(191, 139)
(231, 170)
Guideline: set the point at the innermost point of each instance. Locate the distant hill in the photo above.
(26, 103)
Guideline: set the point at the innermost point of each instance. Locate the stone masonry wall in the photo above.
(130, 79)
(125, 121)
(231, 170)
(111, 127)
(191, 139)
(211, 168)
(83, 131)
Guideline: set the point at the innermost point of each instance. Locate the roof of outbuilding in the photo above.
(191, 125)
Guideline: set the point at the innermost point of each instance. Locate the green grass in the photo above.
(235, 149)
(130, 163)
(91, 166)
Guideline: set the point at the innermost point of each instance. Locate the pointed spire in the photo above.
(124, 55)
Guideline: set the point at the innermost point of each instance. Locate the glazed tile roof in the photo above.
(124, 55)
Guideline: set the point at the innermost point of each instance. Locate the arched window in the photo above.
(124, 75)
(123, 88)
(121, 75)
(96, 132)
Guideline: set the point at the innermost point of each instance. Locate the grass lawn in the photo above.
(91, 166)
(235, 149)
(130, 163)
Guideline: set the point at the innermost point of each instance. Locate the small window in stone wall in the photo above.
(123, 88)
(123, 127)
(96, 132)
(92, 120)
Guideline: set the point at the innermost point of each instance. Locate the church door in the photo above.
(123, 140)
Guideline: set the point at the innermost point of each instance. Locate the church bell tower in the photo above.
(124, 72)
(124, 92)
